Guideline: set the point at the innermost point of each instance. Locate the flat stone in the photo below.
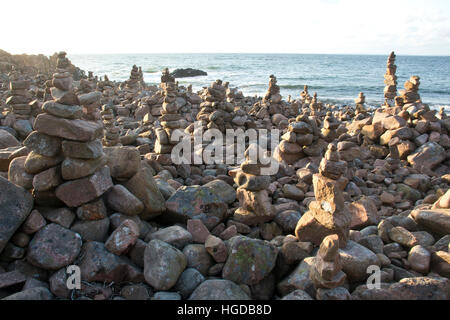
(82, 150)
(72, 169)
(62, 110)
(78, 130)
(77, 192)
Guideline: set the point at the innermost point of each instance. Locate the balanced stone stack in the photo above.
(170, 120)
(19, 101)
(166, 77)
(133, 83)
(273, 96)
(141, 77)
(255, 205)
(111, 134)
(304, 95)
(328, 214)
(91, 104)
(390, 80)
(330, 125)
(411, 92)
(66, 156)
(326, 271)
(215, 111)
(299, 135)
(360, 101)
(315, 106)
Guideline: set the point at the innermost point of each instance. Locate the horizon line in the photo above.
(235, 53)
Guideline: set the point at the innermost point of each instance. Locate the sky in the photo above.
(408, 27)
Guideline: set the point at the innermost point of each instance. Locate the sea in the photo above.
(336, 78)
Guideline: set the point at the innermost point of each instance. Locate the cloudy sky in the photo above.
(410, 27)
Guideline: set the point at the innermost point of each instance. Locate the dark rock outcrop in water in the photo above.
(189, 72)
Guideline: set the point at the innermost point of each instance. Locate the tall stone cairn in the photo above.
(328, 214)
(170, 119)
(66, 159)
(390, 80)
(111, 135)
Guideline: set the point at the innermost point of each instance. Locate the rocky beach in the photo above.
(94, 205)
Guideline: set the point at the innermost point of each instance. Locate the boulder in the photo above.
(98, 264)
(54, 247)
(143, 186)
(249, 260)
(196, 202)
(355, 260)
(163, 265)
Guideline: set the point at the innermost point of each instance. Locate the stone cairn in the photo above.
(315, 106)
(299, 135)
(66, 159)
(326, 271)
(132, 85)
(19, 101)
(273, 96)
(166, 77)
(390, 80)
(270, 104)
(360, 101)
(255, 205)
(330, 125)
(111, 135)
(169, 120)
(304, 95)
(215, 111)
(141, 77)
(327, 215)
(411, 92)
(91, 104)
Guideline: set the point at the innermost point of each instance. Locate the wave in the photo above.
(151, 71)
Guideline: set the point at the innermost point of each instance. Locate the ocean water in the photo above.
(335, 78)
